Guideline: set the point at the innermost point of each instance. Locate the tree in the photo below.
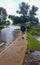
(7, 23)
(19, 20)
(26, 15)
(3, 16)
(23, 18)
(15, 19)
(33, 11)
(11, 17)
(3, 12)
(23, 9)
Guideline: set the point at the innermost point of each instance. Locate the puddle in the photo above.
(32, 58)
(36, 54)
(37, 37)
(33, 63)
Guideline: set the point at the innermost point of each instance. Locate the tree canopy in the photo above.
(27, 14)
(3, 14)
(23, 9)
(33, 11)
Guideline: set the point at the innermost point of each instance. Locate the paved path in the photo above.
(14, 54)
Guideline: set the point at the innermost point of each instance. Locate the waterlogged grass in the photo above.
(33, 44)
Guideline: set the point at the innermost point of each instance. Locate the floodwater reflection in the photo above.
(8, 35)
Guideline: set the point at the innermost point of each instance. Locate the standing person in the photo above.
(23, 30)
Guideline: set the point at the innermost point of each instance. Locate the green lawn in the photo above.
(33, 44)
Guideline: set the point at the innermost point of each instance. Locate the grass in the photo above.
(33, 44)
(35, 31)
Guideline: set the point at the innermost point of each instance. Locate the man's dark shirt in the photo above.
(23, 28)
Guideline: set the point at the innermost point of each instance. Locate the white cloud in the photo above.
(9, 5)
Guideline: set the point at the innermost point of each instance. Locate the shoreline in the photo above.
(4, 45)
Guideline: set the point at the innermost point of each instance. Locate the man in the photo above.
(23, 30)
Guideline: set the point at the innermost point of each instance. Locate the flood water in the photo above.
(8, 35)
(37, 37)
(36, 54)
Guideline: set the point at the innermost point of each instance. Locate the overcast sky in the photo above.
(12, 5)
